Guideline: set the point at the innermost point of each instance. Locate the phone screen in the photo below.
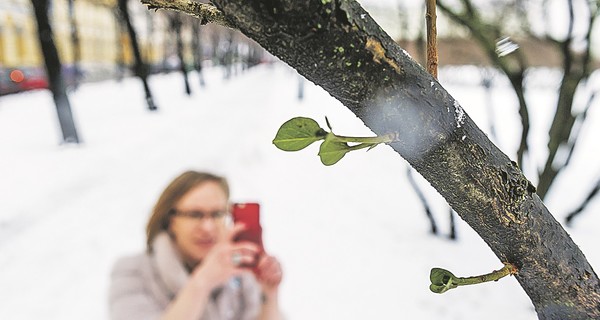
(249, 215)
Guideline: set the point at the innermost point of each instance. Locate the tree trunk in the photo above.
(198, 51)
(140, 69)
(176, 24)
(76, 45)
(53, 72)
(337, 45)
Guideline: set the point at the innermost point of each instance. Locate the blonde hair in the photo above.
(160, 218)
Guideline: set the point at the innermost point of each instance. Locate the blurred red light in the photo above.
(17, 76)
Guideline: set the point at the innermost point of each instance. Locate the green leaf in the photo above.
(332, 151)
(442, 280)
(298, 133)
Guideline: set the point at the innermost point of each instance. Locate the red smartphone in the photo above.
(249, 215)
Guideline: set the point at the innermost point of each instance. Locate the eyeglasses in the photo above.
(201, 215)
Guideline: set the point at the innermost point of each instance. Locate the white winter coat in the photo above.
(143, 285)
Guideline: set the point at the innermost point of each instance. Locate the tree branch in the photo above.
(576, 69)
(580, 119)
(207, 13)
(588, 199)
(432, 54)
(486, 35)
(423, 200)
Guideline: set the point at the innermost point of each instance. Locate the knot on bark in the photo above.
(517, 188)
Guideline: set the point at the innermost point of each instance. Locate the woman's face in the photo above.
(195, 236)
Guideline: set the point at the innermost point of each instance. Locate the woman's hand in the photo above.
(224, 260)
(269, 274)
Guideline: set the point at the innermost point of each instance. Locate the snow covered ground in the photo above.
(353, 238)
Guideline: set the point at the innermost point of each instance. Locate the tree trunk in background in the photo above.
(176, 25)
(119, 44)
(198, 51)
(337, 45)
(140, 68)
(76, 71)
(53, 72)
(228, 54)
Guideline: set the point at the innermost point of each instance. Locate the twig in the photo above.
(587, 200)
(432, 55)
(207, 13)
(575, 134)
(452, 234)
(424, 202)
(443, 280)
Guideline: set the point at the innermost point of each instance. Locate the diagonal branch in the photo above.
(577, 68)
(207, 13)
(423, 200)
(579, 120)
(588, 199)
(486, 35)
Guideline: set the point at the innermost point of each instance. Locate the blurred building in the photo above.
(100, 48)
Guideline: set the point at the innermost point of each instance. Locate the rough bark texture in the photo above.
(337, 45)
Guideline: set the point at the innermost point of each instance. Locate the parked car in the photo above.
(7, 86)
(14, 80)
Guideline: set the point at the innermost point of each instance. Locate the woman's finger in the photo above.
(245, 247)
(230, 235)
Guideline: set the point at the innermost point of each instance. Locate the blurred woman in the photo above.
(192, 267)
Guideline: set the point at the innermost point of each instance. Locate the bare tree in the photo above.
(54, 73)
(576, 63)
(198, 50)
(140, 68)
(176, 24)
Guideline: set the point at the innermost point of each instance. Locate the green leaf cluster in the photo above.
(300, 132)
(442, 280)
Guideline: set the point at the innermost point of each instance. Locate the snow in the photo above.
(353, 238)
(459, 114)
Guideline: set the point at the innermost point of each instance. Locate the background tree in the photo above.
(176, 26)
(337, 45)
(490, 29)
(197, 50)
(54, 73)
(140, 68)
(74, 30)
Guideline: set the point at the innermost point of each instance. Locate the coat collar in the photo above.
(169, 263)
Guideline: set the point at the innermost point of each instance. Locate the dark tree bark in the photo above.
(140, 68)
(576, 67)
(53, 72)
(176, 24)
(337, 45)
